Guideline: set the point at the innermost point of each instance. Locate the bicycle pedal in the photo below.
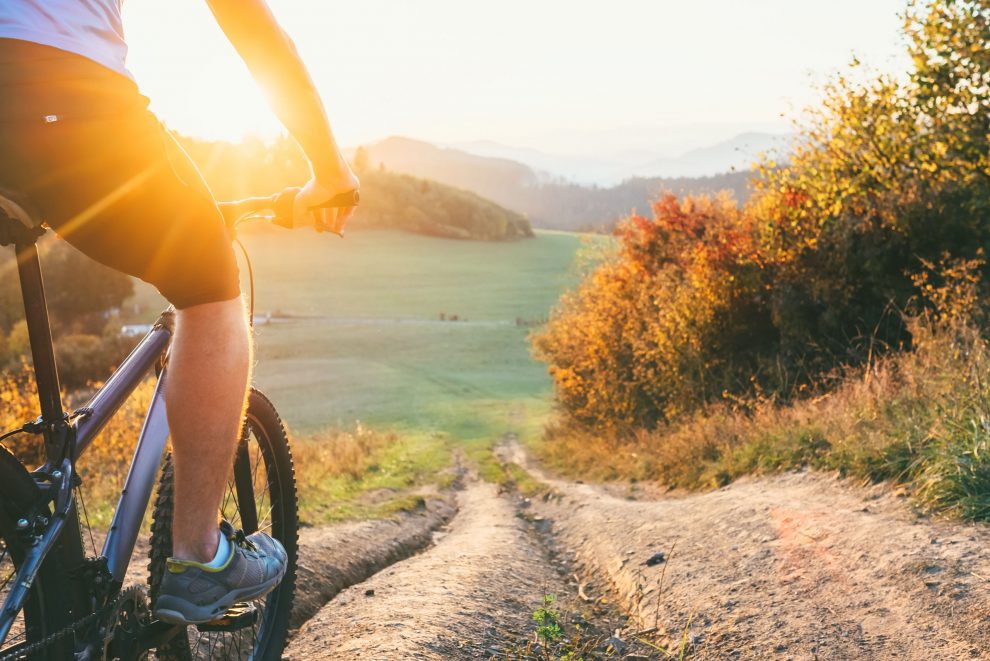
(237, 617)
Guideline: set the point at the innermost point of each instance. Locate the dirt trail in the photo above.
(474, 590)
(333, 558)
(799, 566)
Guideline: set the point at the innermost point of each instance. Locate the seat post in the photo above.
(39, 332)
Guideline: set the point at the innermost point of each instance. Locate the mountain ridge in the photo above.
(548, 201)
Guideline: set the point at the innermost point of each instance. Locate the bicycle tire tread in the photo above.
(262, 409)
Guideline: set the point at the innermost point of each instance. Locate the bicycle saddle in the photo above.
(20, 220)
(18, 206)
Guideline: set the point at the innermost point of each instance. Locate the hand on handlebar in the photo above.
(306, 211)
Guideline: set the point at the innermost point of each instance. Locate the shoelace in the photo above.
(241, 540)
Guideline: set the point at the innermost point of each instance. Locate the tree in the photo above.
(81, 292)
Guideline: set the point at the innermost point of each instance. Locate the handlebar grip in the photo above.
(348, 199)
(284, 202)
(283, 207)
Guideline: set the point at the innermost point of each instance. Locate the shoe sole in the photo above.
(192, 614)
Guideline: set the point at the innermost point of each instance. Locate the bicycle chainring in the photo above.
(123, 625)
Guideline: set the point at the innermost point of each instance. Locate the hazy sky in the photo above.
(560, 75)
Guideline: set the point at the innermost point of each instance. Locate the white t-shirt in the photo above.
(91, 28)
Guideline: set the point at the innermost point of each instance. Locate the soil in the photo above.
(333, 558)
(801, 566)
(474, 590)
(798, 566)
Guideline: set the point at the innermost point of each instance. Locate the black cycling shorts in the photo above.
(79, 141)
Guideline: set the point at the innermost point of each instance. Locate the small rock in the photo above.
(655, 559)
(616, 644)
(370, 592)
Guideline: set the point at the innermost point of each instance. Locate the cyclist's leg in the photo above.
(112, 182)
(205, 398)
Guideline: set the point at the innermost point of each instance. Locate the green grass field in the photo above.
(373, 347)
(356, 336)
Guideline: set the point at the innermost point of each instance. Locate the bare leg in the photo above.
(205, 394)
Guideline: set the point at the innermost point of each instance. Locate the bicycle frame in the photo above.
(67, 436)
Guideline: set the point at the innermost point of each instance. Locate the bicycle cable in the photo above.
(14, 432)
(250, 270)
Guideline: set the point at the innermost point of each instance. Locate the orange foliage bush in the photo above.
(104, 466)
(674, 319)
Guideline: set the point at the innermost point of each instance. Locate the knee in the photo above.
(223, 323)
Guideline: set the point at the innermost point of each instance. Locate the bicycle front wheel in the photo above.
(260, 495)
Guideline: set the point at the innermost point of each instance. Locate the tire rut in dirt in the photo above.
(333, 558)
(474, 590)
(794, 566)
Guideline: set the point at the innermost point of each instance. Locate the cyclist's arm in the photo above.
(272, 59)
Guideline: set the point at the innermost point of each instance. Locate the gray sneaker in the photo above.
(192, 593)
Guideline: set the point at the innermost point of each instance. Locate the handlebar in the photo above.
(278, 208)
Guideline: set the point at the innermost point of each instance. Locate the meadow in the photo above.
(356, 341)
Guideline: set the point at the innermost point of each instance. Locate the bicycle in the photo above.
(58, 603)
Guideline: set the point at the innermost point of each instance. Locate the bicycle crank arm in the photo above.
(157, 634)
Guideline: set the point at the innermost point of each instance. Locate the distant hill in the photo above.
(737, 153)
(399, 201)
(548, 201)
(580, 169)
(575, 207)
(494, 178)
(389, 199)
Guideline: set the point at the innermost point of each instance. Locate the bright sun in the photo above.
(202, 88)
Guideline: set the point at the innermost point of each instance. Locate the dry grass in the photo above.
(104, 466)
(334, 454)
(365, 473)
(331, 468)
(920, 417)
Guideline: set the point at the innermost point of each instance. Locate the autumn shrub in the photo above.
(919, 417)
(670, 321)
(80, 293)
(884, 174)
(83, 358)
(709, 301)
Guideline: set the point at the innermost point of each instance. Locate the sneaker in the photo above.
(193, 593)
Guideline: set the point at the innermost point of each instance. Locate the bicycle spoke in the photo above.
(11, 574)
(232, 515)
(18, 634)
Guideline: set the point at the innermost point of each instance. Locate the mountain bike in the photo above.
(59, 600)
